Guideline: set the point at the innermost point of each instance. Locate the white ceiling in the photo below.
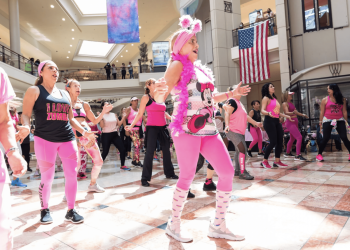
(45, 24)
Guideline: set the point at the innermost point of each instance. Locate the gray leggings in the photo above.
(240, 146)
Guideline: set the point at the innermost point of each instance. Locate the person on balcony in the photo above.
(108, 71)
(114, 71)
(259, 17)
(130, 68)
(123, 71)
(270, 15)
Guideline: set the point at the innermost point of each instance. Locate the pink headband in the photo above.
(190, 28)
(41, 65)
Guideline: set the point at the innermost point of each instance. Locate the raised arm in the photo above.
(139, 115)
(91, 115)
(239, 91)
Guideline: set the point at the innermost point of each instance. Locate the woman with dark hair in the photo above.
(53, 134)
(270, 107)
(110, 125)
(289, 109)
(108, 71)
(254, 130)
(333, 115)
(131, 113)
(155, 129)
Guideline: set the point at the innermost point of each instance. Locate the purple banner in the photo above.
(123, 21)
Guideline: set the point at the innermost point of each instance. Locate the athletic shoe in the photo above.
(288, 155)
(319, 158)
(173, 230)
(128, 157)
(125, 168)
(29, 169)
(37, 173)
(155, 158)
(59, 169)
(64, 198)
(74, 217)
(237, 173)
(144, 183)
(18, 183)
(221, 231)
(279, 164)
(45, 216)
(141, 165)
(246, 176)
(136, 164)
(299, 158)
(190, 195)
(260, 155)
(96, 188)
(209, 185)
(249, 153)
(174, 177)
(265, 164)
(82, 175)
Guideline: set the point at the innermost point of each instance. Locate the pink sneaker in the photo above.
(320, 158)
(278, 164)
(265, 164)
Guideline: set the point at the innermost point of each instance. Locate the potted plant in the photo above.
(144, 56)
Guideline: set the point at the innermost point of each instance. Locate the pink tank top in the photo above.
(274, 107)
(238, 119)
(333, 110)
(110, 123)
(291, 108)
(131, 118)
(156, 113)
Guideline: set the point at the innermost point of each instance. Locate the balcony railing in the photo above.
(272, 25)
(16, 60)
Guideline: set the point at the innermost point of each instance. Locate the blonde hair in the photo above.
(149, 81)
(172, 42)
(285, 96)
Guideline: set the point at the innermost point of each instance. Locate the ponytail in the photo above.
(38, 81)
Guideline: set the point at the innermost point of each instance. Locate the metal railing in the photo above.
(272, 25)
(16, 60)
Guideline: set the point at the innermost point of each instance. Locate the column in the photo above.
(223, 21)
(15, 43)
(283, 43)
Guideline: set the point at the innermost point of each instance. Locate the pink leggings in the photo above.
(294, 134)
(257, 137)
(188, 148)
(46, 155)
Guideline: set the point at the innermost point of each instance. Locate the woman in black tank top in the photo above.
(53, 134)
(255, 131)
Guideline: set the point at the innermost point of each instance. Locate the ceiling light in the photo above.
(126, 51)
(72, 38)
(72, 29)
(67, 56)
(117, 61)
(139, 27)
(132, 44)
(68, 51)
(52, 6)
(71, 45)
(63, 19)
(122, 56)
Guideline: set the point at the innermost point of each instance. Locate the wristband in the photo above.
(226, 95)
(9, 150)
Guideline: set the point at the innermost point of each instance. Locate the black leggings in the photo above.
(25, 151)
(112, 138)
(152, 134)
(274, 130)
(200, 163)
(327, 130)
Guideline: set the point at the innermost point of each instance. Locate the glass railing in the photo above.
(272, 26)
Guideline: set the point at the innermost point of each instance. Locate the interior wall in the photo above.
(248, 6)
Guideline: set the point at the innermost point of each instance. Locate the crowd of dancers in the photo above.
(202, 123)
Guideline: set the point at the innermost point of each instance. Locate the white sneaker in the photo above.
(64, 198)
(96, 188)
(37, 173)
(173, 230)
(59, 169)
(223, 232)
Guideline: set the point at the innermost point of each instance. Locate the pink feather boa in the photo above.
(186, 76)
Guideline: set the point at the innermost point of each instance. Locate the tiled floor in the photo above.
(303, 206)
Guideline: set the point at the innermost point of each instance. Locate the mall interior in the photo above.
(303, 203)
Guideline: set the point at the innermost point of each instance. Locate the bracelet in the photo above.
(226, 95)
(83, 134)
(319, 122)
(9, 150)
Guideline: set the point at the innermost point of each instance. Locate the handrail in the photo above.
(16, 60)
(273, 21)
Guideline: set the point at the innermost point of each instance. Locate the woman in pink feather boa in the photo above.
(193, 127)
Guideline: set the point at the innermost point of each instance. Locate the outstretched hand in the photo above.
(160, 90)
(242, 91)
(107, 108)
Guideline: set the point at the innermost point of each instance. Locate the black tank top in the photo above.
(256, 117)
(51, 117)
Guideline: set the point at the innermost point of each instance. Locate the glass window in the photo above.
(324, 14)
(309, 15)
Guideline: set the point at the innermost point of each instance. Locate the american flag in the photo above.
(253, 53)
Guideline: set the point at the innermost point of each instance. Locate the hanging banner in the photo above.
(123, 21)
(160, 53)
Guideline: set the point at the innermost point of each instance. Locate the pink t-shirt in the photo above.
(6, 94)
(238, 119)
(333, 110)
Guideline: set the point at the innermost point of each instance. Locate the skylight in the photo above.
(89, 48)
(92, 7)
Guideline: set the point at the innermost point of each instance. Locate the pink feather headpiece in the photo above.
(190, 28)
